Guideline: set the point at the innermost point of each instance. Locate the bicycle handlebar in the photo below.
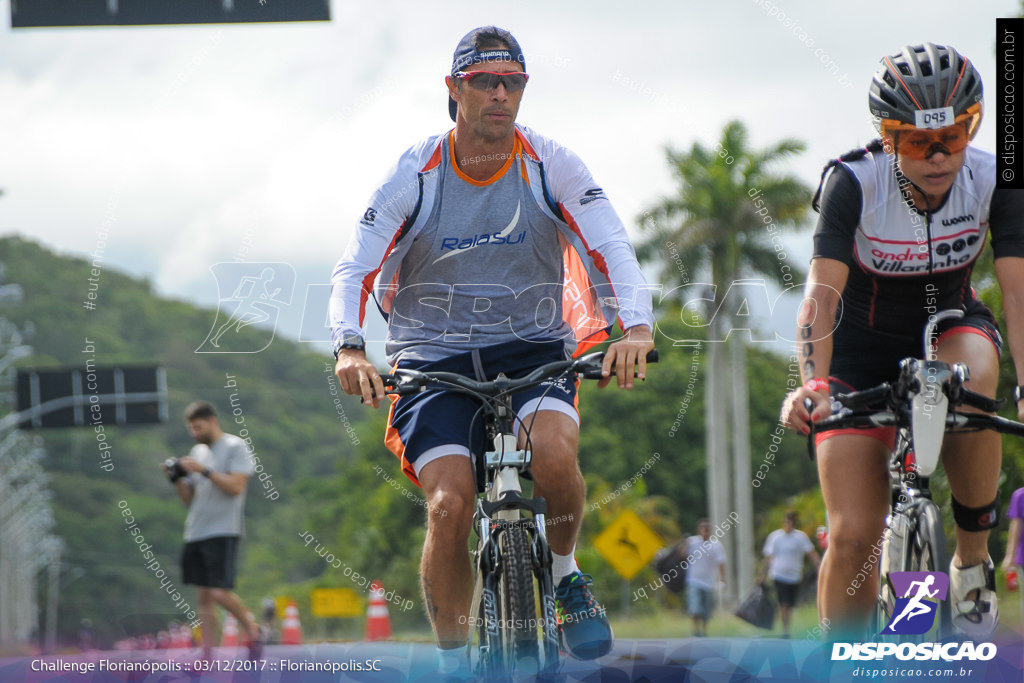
(886, 418)
(895, 415)
(403, 381)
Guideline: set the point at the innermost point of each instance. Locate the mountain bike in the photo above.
(921, 404)
(512, 558)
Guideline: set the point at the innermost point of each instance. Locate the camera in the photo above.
(174, 469)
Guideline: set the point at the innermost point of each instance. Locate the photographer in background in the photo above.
(211, 481)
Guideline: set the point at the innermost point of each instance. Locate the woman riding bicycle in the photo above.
(901, 224)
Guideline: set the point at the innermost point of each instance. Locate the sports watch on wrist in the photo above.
(349, 341)
(207, 472)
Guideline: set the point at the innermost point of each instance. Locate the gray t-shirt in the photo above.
(486, 269)
(213, 512)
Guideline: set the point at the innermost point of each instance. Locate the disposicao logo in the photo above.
(914, 613)
(917, 601)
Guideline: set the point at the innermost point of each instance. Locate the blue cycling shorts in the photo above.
(435, 423)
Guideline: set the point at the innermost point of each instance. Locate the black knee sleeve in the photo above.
(977, 519)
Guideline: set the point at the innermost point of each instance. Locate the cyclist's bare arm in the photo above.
(358, 376)
(815, 558)
(1012, 539)
(1010, 274)
(825, 282)
(632, 350)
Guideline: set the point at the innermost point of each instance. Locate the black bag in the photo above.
(669, 563)
(758, 608)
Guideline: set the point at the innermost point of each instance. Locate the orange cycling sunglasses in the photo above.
(920, 143)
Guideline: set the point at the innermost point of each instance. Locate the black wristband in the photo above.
(1018, 393)
(207, 472)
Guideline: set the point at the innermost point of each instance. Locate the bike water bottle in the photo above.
(1012, 580)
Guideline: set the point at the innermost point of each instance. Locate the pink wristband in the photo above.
(817, 384)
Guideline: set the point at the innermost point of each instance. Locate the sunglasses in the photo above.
(514, 81)
(921, 144)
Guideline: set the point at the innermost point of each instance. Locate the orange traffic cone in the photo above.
(291, 629)
(185, 633)
(176, 641)
(229, 634)
(378, 623)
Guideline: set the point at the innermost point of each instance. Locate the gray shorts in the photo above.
(700, 601)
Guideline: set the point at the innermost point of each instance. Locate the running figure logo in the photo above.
(915, 611)
(257, 292)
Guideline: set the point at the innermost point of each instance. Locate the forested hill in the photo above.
(281, 395)
(643, 451)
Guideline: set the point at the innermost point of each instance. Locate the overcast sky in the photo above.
(193, 145)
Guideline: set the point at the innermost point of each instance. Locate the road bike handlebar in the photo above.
(404, 381)
(896, 413)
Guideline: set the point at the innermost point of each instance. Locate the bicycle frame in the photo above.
(498, 511)
(912, 508)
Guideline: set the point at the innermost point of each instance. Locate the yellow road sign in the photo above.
(280, 603)
(628, 544)
(335, 602)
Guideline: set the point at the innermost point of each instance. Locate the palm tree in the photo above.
(722, 227)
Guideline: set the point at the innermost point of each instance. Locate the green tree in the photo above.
(723, 224)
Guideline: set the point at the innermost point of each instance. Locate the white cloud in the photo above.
(275, 135)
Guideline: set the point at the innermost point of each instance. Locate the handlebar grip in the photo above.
(982, 403)
(594, 371)
(393, 385)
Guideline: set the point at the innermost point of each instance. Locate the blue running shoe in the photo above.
(584, 631)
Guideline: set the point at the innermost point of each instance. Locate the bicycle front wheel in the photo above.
(518, 607)
(928, 554)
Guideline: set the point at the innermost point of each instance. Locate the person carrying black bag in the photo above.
(670, 563)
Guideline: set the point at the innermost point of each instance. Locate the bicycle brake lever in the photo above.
(811, 448)
(982, 403)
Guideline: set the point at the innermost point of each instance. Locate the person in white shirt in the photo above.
(704, 554)
(784, 553)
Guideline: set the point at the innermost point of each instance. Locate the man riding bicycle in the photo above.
(490, 249)
(902, 223)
